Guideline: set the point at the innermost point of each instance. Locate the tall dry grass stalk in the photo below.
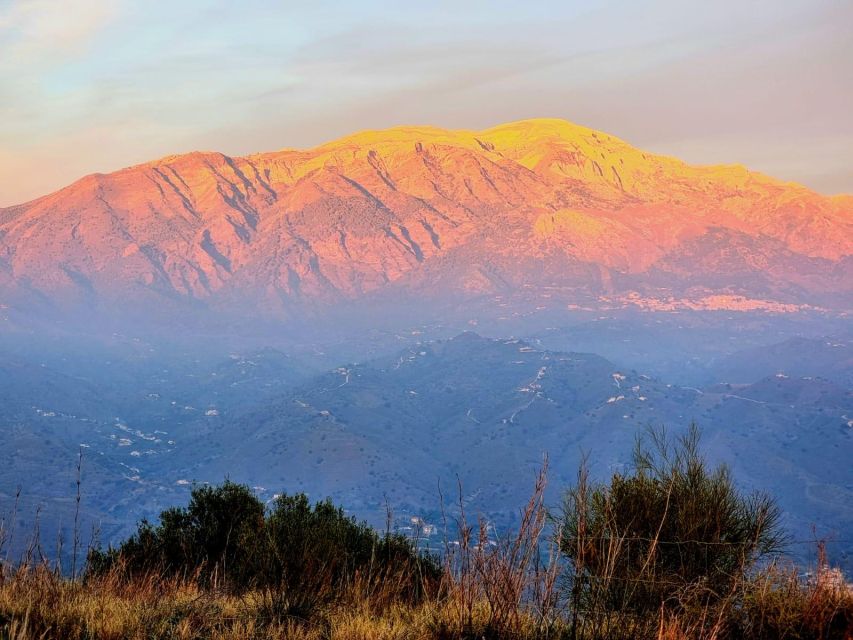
(510, 580)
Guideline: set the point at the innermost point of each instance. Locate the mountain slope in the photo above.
(830, 358)
(479, 409)
(541, 202)
(486, 410)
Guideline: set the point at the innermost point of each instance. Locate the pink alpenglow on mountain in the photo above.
(539, 205)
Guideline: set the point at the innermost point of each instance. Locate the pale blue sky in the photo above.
(94, 85)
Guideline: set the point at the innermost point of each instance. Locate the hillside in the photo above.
(828, 357)
(543, 208)
(486, 410)
(393, 427)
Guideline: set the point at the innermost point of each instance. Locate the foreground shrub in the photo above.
(672, 536)
(296, 552)
(216, 535)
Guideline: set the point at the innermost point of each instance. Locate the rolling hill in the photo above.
(395, 428)
(485, 411)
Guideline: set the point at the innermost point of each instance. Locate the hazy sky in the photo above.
(95, 85)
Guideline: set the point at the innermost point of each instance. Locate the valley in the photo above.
(399, 429)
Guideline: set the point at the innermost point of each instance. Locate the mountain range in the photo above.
(539, 208)
(397, 309)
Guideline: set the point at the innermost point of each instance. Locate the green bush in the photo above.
(673, 534)
(226, 537)
(319, 545)
(216, 535)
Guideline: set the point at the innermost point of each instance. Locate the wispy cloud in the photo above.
(46, 28)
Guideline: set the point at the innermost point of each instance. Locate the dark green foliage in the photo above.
(672, 534)
(215, 536)
(321, 544)
(226, 537)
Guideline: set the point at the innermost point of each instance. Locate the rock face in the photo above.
(540, 203)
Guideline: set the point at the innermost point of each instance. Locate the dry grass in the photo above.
(783, 603)
(505, 586)
(493, 587)
(37, 603)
